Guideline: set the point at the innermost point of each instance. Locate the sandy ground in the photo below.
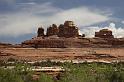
(31, 54)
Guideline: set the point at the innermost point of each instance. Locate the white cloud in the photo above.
(122, 22)
(118, 32)
(15, 25)
(30, 16)
(82, 16)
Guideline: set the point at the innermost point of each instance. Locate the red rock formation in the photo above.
(104, 33)
(52, 30)
(68, 30)
(83, 35)
(69, 24)
(40, 32)
(67, 36)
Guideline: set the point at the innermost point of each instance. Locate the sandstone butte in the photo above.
(67, 36)
(63, 43)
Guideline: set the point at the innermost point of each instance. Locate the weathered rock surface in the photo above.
(68, 30)
(52, 30)
(67, 36)
(40, 32)
(104, 33)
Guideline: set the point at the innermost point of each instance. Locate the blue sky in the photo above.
(19, 19)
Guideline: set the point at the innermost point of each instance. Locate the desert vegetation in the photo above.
(85, 72)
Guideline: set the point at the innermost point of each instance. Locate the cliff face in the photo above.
(104, 33)
(66, 30)
(66, 36)
(40, 32)
(52, 30)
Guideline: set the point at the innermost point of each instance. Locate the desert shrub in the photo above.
(9, 76)
(45, 78)
(86, 72)
(94, 72)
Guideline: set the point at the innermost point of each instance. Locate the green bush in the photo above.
(86, 72)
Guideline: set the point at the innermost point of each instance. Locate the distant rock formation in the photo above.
(6, 45)
(104, 33)
(52, 30)
(68, 30)
(40, 32)
(67, 36)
